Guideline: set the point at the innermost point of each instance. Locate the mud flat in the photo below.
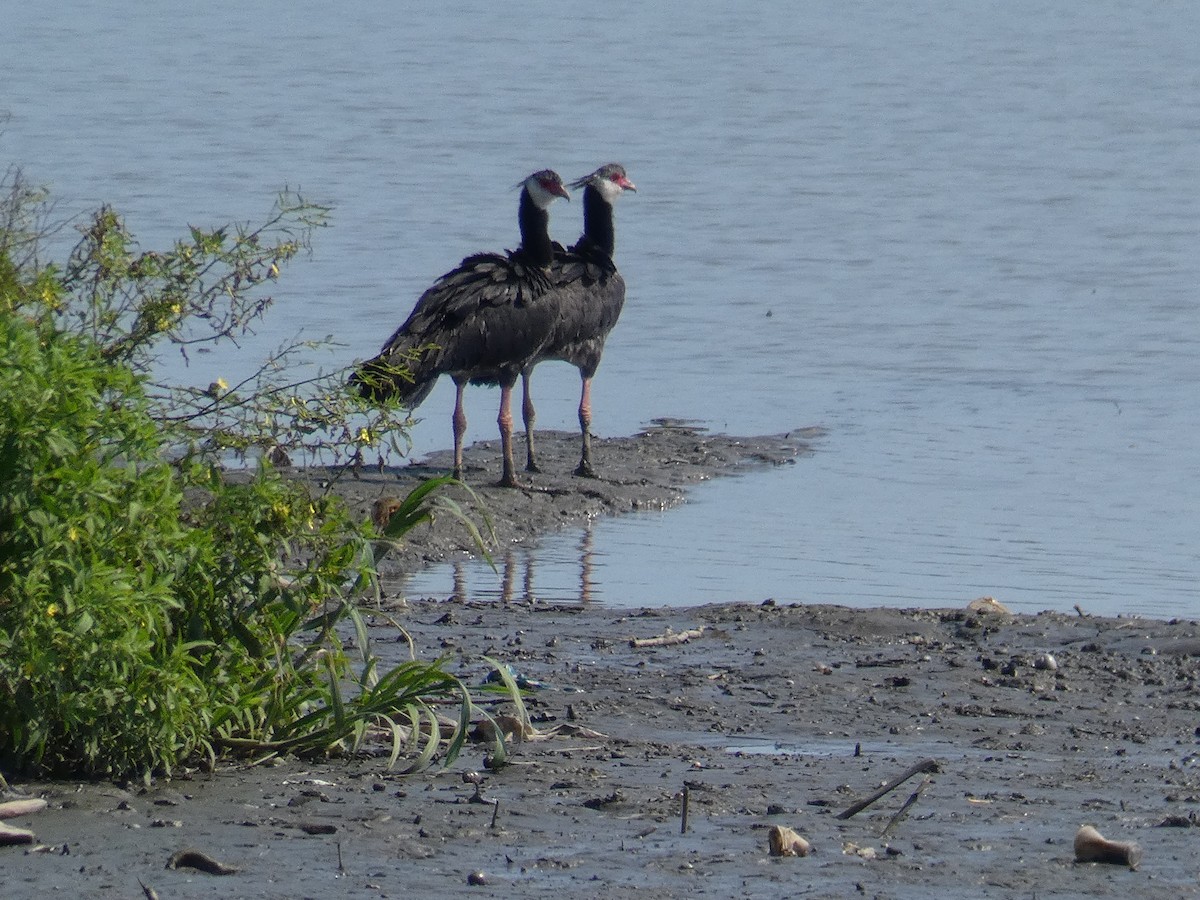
(769, 715)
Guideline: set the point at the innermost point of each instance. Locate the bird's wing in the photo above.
(584, 264)
(488, 311)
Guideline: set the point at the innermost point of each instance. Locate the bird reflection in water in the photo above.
(518, 577)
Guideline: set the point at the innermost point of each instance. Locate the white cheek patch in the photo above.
(608, 189)
(540, 196)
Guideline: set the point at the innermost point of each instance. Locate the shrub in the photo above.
(152, 608)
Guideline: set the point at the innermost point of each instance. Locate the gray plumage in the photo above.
(589, 296)
(481, 323)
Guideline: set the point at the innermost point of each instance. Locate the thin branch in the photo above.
(925, 765)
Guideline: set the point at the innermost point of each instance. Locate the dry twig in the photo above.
(666, 640)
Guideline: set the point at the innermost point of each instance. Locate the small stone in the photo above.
(1045, 662)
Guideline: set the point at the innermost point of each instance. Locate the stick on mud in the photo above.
(903, 811)
(925, 765)
(666, 640)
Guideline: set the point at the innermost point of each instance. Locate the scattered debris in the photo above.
(11, 835)
(881, 662)
(383, 509)
(929, 766)
(11, 809)
(510, 728)
(784, 841)
(667, 639)
(852, 849)
(1091, 846)
(1175, 820)
(903, 811)
(601, 802)
(683, 813)
(988, 606)
(194, 859)
(518, 678)
(318, 828)
(1045, 662)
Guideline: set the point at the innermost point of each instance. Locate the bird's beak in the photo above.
(627, 184)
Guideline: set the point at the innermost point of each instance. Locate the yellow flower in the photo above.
(364, 435)
(72, 533)
(52, 610)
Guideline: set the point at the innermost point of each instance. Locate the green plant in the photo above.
(152, 606)
(90, 668)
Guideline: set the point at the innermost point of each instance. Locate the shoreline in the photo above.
(651, 470)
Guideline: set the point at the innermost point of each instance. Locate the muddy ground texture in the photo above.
(768, 715)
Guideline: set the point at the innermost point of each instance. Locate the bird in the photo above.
(480, 323)
(589, 295)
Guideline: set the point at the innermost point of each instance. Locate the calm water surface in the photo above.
(960, 237)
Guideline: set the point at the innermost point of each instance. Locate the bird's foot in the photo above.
(585, 470)
(531, 466)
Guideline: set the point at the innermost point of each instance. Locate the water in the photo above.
(961, 238)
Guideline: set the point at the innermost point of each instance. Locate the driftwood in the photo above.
(10, 835)
(666, 640)
(11, 809)
(1091, 846)
(929, 766)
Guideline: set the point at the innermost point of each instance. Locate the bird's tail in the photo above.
(398, 373)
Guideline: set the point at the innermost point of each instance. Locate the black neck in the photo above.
(535, 231)
(598, 221)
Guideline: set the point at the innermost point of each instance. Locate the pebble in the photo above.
(1045, 662)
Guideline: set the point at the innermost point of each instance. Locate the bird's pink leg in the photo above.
(585, 426)
(460, 427)
(529, 415)
(509, 478)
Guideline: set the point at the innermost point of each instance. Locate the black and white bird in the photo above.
(589, 295)
(484, 322)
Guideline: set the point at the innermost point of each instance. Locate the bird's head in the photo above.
(544, 186)
(610, 180)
